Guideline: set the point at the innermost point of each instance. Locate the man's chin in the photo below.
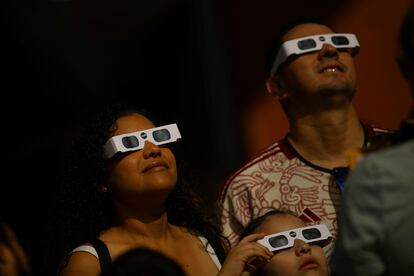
(340, 89)
(337, 96)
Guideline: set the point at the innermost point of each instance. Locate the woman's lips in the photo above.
(156, 166)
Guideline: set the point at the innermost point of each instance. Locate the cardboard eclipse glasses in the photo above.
(313, 43)
(316, 234)
(136, 140)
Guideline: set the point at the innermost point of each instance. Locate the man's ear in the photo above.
(276, 87)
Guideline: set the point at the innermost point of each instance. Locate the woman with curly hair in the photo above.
(120, 189)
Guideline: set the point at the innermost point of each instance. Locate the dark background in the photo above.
(200, 63)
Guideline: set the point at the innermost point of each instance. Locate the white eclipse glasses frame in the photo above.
(136, 140)
(310, 234)
(313, 43)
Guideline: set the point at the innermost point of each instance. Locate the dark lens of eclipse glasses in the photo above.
(278, 241)
(306, 44)
(130, 142)
(311, 233)
(340, 40)
(161, 135)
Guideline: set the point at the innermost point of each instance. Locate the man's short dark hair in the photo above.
(277, 40)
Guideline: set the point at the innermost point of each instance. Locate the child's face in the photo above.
(301, 259)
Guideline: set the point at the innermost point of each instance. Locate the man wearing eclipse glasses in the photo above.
(312, 74)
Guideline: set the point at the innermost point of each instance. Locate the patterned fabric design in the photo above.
(280, 179)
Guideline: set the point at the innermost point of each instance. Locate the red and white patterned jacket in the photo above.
(279, 178)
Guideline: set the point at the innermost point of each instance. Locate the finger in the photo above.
(267, 250)
(253, 237)
(252, 249)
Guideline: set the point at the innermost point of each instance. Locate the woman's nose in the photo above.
(327, 51)
(301, 247)
(151, 150)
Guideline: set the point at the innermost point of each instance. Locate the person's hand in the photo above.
(246, 257)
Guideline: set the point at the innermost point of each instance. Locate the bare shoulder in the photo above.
(80, 263)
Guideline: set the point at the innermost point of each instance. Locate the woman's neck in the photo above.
(143, 221)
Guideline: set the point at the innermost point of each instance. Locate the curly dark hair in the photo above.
(80, 212)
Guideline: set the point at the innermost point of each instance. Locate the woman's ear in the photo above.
(276, 87)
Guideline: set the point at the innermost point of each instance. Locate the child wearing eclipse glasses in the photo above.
(298, 249)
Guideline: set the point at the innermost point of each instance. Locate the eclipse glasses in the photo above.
(136, 140)
(313, 43)
(316, 234)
